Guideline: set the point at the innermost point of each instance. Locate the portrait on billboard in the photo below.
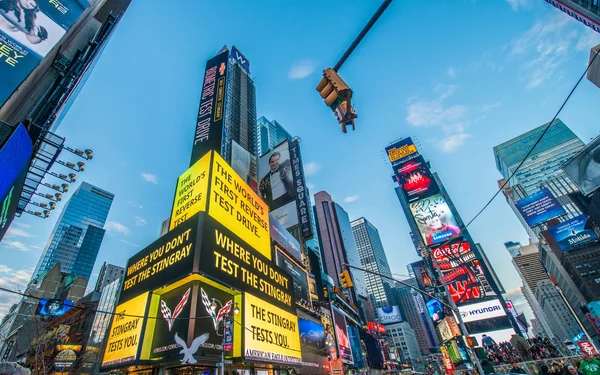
(244, 164)
(276, 184)
(434, 219)
(435, 310)
(343, 340)
(415, 179)
(584, 168)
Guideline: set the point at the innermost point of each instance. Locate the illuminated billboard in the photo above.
(15, 155)
(209, 122)
(125, 332)
(448, 328)
(539, 207)
(415, 179)
(302, 200)
(481, 311)
(462, 272)
(435, 310)
(284, 239)
(401, 151)
(434, 219)
(276, 184)
(299, 276)
(245, 165)
(190, 193)
(343, 340)
(53, 307)
(272, 334)
(584, 168)
(389, 314)
(28, 31)
(572, 233)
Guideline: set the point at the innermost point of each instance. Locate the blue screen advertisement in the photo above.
(53, 307)
(311, 333)
(539, 207)
(435, 309)
(572, 233)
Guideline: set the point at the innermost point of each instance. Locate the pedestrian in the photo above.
(487, 341)
(573, 370)
(11, 368)
(589, 365)
(556, 369)
(515, 369)
(545, 370)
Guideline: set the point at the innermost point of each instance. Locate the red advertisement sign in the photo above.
(586, 346)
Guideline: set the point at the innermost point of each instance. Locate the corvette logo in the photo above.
(171, 316)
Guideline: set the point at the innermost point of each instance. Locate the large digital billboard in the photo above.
(209, 122)
(584, 168)
(462, 272)
(302, 200)
(415, 179)
(271, 333)
(299, 276)
(434, 219)
(481, 311)
(15, 155)
(401, 151)
(276, 184)
(28, 31)
(389, 314)
(343, 340)
(435, 310)
(284, 239)
(572, 233)
(312, 334)
(539, 207)
(245, 165)
(191, 192)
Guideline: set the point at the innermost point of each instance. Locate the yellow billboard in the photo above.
(125, 330)
(236, 206)
(271, 333)
(190, 194)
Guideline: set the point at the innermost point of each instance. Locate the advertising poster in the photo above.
(401, 151)
(302, 202)
(276, 185)
(312, 334)
(448, 328)
(125, 330)
(415, 179)
(572, 233)
(435, 310)
(539, 207)
(284, 239)
(421, 275)
(272, 334)
(586, 346)
(163, 261)
(462, 272)
(434, 219)
(191, 192)
(53, 307)
(481, 311)
(343, 340)
(298, 275)
(245, 165)
(389, 314)
(209, 123)
(229, 260)
(28, 31)
(584, 168)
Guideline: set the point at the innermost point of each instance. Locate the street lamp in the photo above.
(236, 310)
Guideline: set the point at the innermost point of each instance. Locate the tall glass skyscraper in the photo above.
(270, 134)
(78, 234)
(373, 258)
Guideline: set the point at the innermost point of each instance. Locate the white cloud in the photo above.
(350, 199)
(428, 113)
(311, 186)
(22, 225)
(15, 245)
(140, 221)
(491, 106)
(451, 72)
(311, 168)
(151, 178)
(516, 4)
(302, 69)
(16, 232)
(129, 243)
(454, 141)
(113, 226)
(13, 280)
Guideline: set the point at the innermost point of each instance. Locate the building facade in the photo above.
(403, 338)
(559, 315)
(77, 236)
(108, 274)
(372, 257)
(270, 134)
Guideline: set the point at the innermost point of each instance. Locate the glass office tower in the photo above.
(270, 134)
(78, 234)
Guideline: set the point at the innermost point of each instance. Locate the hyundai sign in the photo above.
(481, 310)
(389, 315)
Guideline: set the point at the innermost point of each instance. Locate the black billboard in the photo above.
(302, 202)
(415, 179)
(299, 276)
(209, 123)
(231, 261)
(167, 259)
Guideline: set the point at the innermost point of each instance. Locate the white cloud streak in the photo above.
(311, 168)
(352, 198)
(302, 69)
(114, 226)
(151, 178)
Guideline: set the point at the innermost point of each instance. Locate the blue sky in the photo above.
(458, 76)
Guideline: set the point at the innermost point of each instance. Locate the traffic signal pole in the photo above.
(362, 34)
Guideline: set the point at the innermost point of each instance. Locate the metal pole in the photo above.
(223, 350)
(362, 34)
(472, 353)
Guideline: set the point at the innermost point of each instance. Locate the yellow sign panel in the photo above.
(190, 194)
(397, 153)
(236, 206)
(125, 332)
(271, 333)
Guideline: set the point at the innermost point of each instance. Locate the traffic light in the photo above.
(325, 292)
(338, 97)
(345, 280)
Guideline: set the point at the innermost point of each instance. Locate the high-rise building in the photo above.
(78, 233)
(593, 74)
(584, 11)
(373, 258)
(403, 337)
(559, 315)
(270, 134)
(414, 311)
(108, 274)
(338, 247)
(514, 248)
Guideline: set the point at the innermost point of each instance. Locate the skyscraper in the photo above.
(372, 257)
(78, 234)
(559, 316)
(108, 274)
(584, 11)
(270, 134)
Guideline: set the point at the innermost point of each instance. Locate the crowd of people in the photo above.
(519, 349)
